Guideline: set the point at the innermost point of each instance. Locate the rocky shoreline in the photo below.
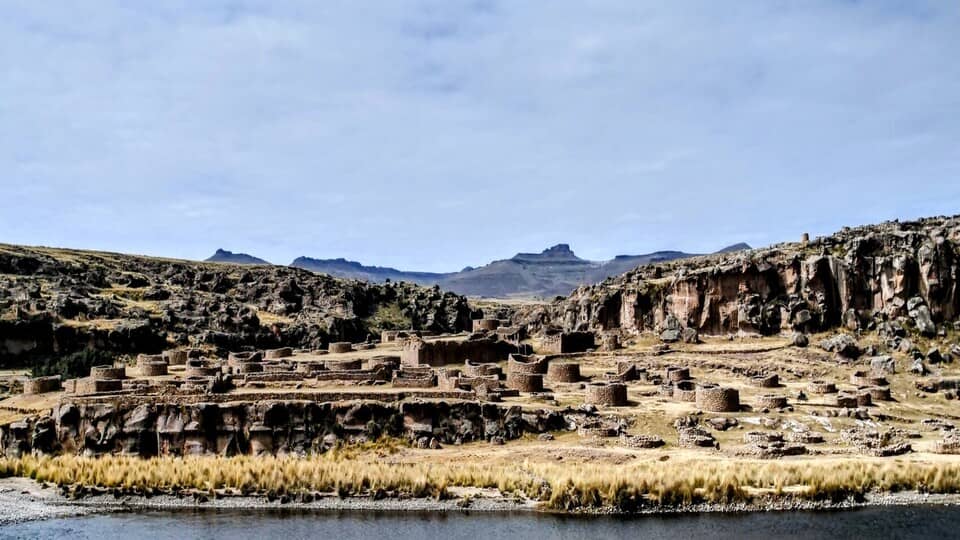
(23, 500)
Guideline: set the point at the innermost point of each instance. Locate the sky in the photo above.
(431, 135)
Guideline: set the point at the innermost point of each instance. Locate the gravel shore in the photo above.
(22, 499)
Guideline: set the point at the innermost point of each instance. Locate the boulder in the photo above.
(884, 365)
(843, 344)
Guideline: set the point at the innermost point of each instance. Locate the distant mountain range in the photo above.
(224, 256)
(555, 271)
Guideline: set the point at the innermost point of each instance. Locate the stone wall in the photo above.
(417, 352)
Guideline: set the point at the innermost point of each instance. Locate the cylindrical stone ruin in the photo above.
(486, 324)
(108, 372)
(866, 378)
(477, 369)
(770, 401)
(677, 373)
(340, 347)
(610, 394)
(237, 358)
(147, 358)
(275, 354)
(846, 401)
(713, 398)
(249, 367)
(343, 365)
(563, 372)
(879, 393)
(518, 363)
(685, 391)
(525, 382)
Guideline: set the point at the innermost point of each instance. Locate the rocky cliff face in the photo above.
(262, 428)
(56, 301)
(859, 277)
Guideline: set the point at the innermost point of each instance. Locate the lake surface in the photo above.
(872, 523)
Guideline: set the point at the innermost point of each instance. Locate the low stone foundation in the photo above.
(341, 365)
(822, 387)
(276, 354)
(340, 347)
(89, 385)
(108, 372)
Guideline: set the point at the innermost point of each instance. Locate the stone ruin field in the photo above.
(829, 366)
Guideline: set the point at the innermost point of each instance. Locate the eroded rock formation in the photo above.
(905, 272)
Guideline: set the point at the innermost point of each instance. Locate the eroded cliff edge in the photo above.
(858, 278)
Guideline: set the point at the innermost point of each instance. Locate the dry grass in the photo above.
(559, 486)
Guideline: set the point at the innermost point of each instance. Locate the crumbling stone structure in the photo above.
(414, 378)
(176, 357)
(677, 373)
(42, 385)
(685, 391)
(866, 378)
(237, 358)
(567, 342)
(108, 372)
(342, 365)
(488, 325)
(518, 363)
(822, 387)
(417, 352)
(476, 369)
(153, 369)
(713, 398)
(771, 380)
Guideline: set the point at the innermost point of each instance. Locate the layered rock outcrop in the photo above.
(857, 278)
(57, 301)
(261, 428)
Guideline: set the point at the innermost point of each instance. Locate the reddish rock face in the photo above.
(852, 278)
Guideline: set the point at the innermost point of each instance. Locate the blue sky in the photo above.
(433, 135)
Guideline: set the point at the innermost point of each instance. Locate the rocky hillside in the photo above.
(224, 256)
(54, 301)
(887, 277)
(555, 271)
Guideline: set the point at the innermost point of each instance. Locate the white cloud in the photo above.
(330, 129)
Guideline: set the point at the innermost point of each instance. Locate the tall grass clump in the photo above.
(351, 472)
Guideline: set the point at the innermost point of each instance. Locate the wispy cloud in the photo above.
(427, 134)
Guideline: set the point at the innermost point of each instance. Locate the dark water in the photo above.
(871, 523)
